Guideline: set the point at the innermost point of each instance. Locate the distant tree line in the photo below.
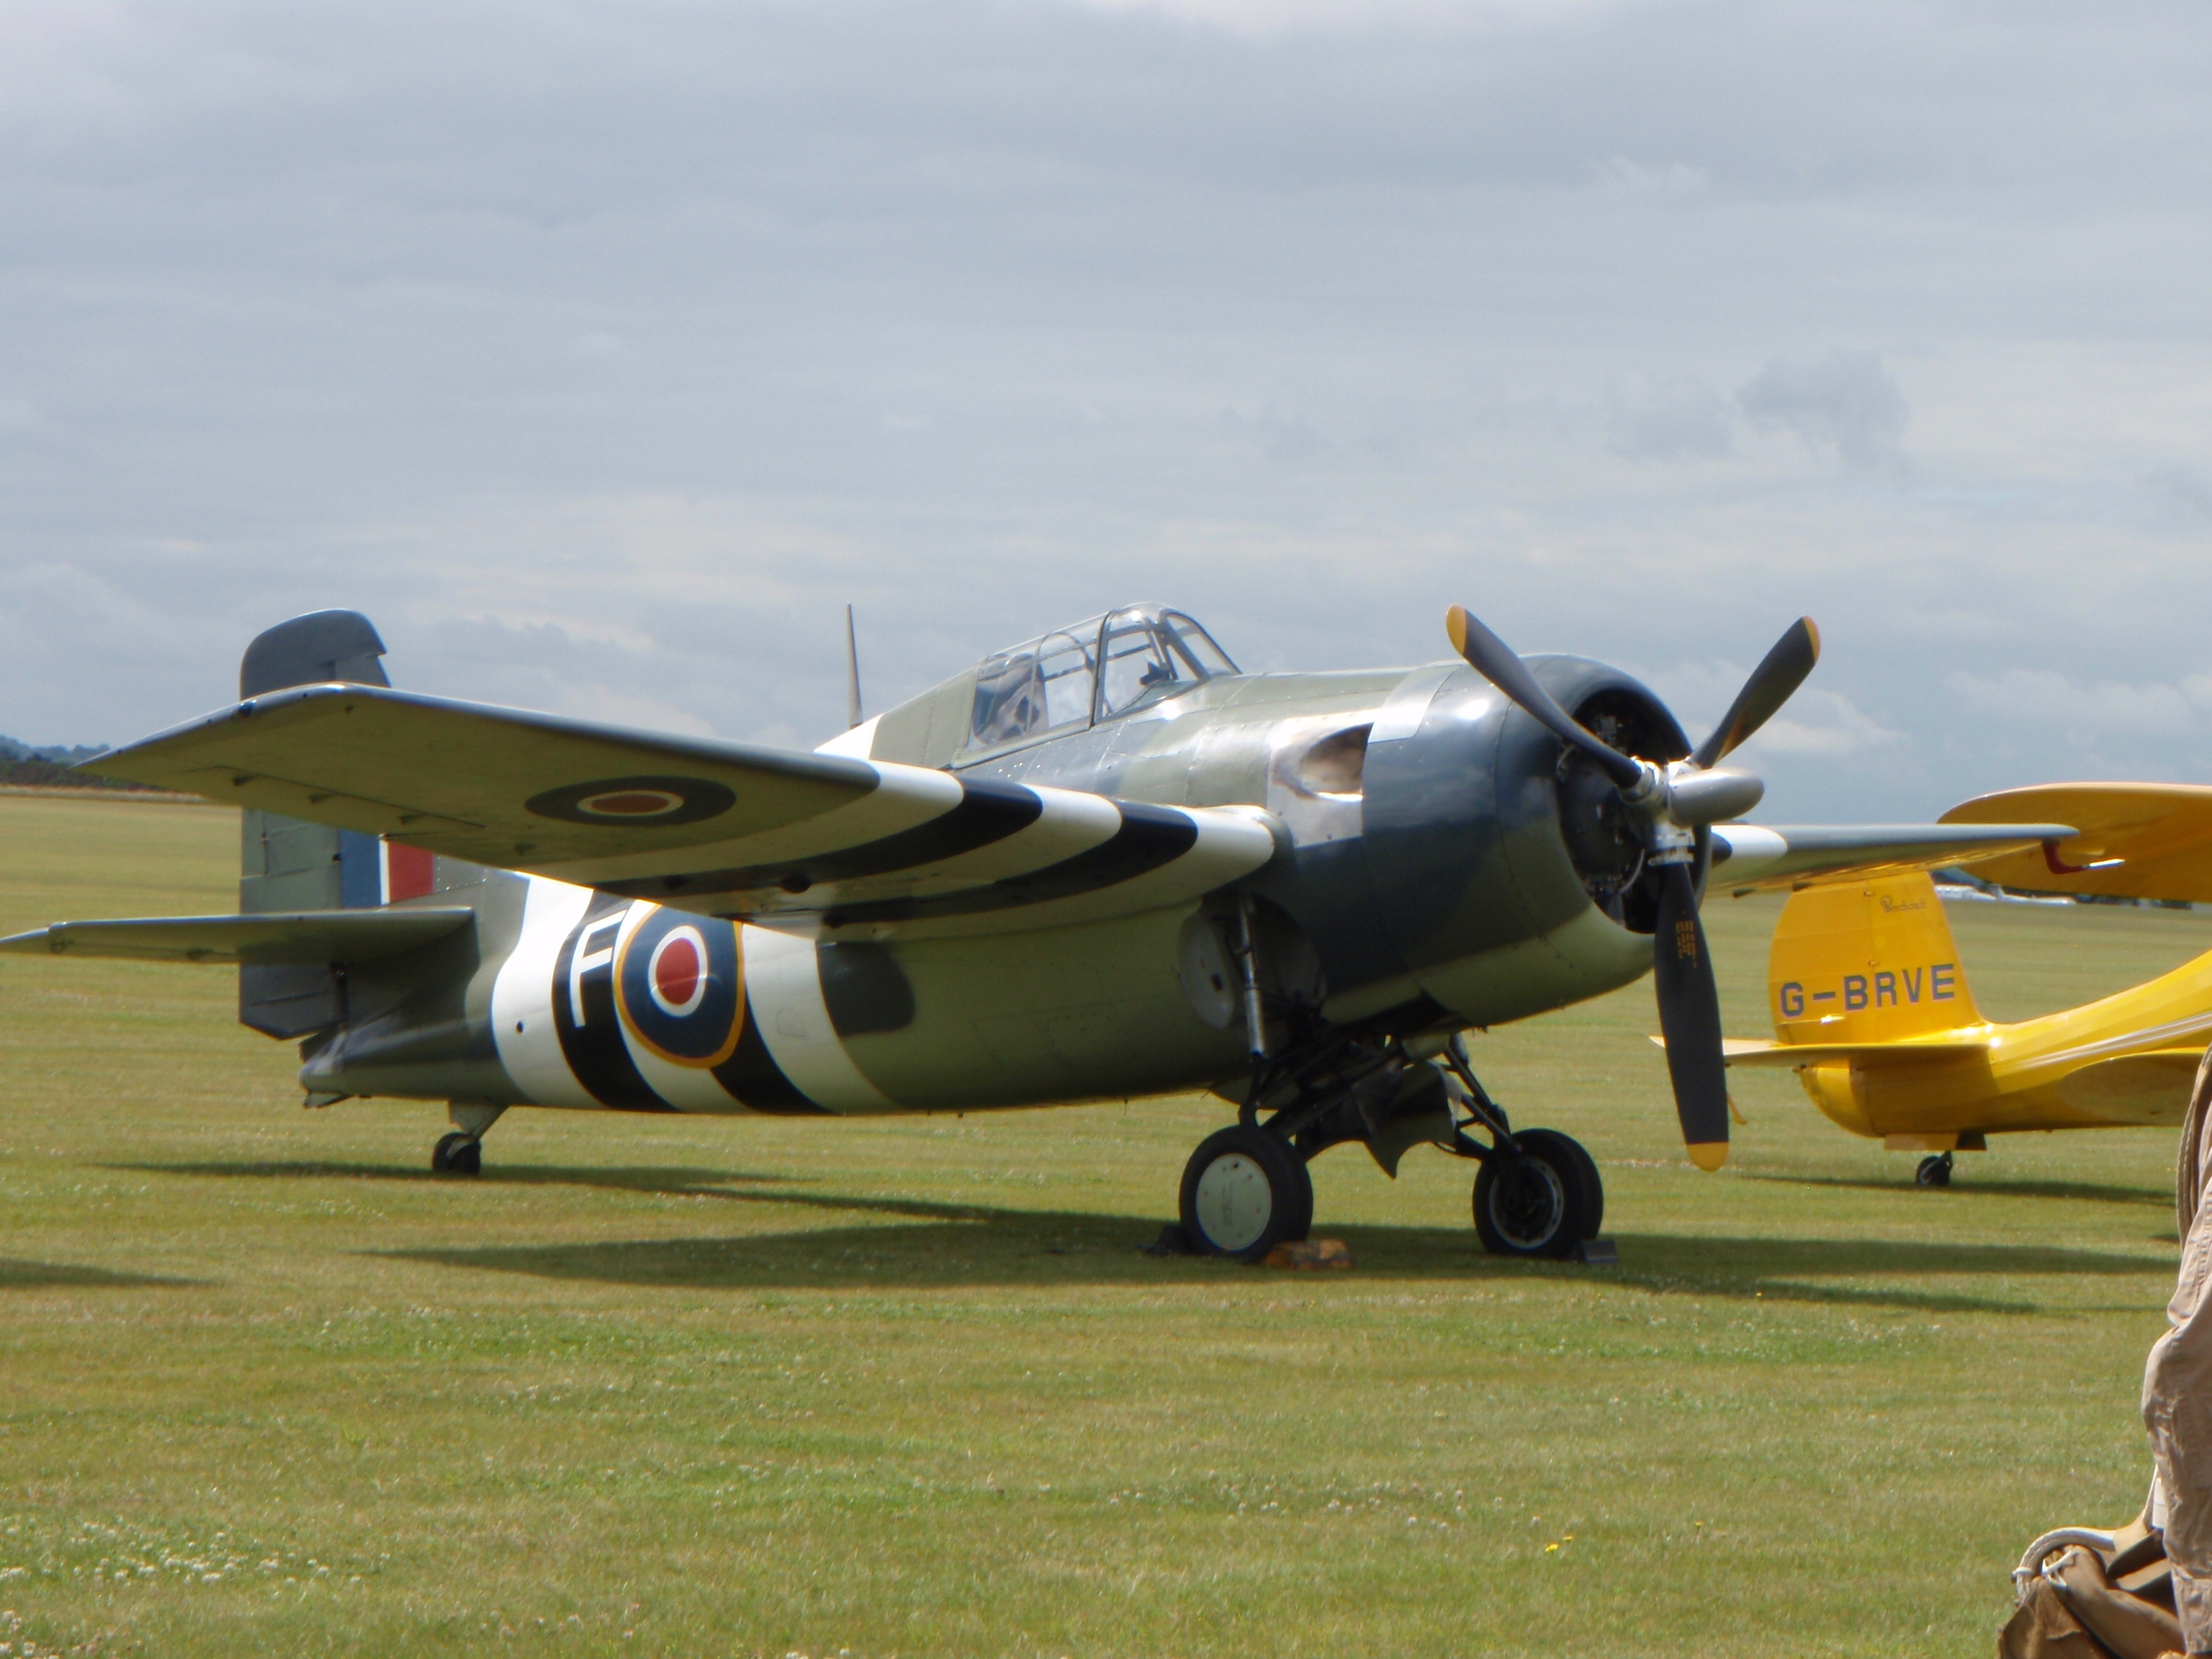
(47, 767)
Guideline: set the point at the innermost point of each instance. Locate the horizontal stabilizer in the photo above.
(307, 937)
(1746, 1051)
(1755, 1051)
(1751, 858)
(2140, 840)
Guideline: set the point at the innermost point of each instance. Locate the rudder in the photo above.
(1866, 962)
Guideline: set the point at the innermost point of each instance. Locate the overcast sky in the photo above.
(601, 354)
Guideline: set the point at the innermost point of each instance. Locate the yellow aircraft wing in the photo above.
(2149, 841)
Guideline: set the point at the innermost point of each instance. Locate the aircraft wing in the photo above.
(2151, 840)
(1752, 858)
(799, 840)
(304, 936)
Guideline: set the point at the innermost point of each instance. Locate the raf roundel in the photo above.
(656, 801)
(679, 984)
(676, 973)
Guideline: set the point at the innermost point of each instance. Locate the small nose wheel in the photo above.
(457, 1154)
(1934, 1171)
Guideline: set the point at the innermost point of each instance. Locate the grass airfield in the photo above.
(789, 1387)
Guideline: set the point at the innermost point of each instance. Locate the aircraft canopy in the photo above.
(1098, 669)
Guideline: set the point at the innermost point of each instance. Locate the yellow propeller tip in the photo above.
(1708, 1155)
(1456, 625)
(1813, 628)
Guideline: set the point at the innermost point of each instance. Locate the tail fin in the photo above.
(1866, 962)
(288, 865)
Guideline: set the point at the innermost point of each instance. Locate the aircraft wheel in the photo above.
(1243, 1192)
(1934, 1171)
(457, 1154)
(1542, 1203)
(1592, 1221)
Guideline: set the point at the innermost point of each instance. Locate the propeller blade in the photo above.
(1492, 659)
(1689, 1015)
(1769, 687)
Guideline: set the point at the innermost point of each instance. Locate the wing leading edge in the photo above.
(799, 840)
(1754, 858)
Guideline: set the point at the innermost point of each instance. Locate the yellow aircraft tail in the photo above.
(1866, 961)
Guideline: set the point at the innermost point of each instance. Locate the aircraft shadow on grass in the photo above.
(1012, 1247)
(672, 1180)
(659, 1182)
(19, 1275)
(920, 1242)
(1967, 1189)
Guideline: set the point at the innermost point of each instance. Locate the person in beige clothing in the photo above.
(2177, 1391)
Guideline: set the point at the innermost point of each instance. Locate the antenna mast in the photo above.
(852, 674)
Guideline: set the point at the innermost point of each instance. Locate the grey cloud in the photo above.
(1666, 419)
(1287, 440)
(1845, 405)
(2182, 492)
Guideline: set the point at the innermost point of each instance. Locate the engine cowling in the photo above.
(1501, 868)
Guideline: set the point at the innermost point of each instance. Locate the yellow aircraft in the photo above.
(1872, 1010)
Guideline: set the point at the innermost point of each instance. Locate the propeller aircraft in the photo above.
(1872, 1010)
(1102, 863)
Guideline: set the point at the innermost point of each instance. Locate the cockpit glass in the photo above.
(1032, 689)
(1095, 670)
(1139, 666)
(1197, 644)
(1146, 654)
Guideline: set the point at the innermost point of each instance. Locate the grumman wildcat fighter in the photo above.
(1103, 863)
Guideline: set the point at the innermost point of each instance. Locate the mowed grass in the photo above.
(690, 1386)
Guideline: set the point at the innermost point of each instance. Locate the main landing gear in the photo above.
(1544, 1202)
(1246, 1188)
(461, 1152)
(1244, 1191)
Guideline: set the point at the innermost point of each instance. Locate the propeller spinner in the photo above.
(1668, 804)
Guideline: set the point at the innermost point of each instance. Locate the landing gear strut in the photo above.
(1537, 1192)
(1934, 1171)
(461, 1152)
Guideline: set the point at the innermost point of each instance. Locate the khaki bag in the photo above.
(2086, 1595)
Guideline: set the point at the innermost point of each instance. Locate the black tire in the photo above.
(457, 1154)
(1934, 1171)
(1541, 1203)
(1243, 1192)
(1302, 1216)
(1592, 1205)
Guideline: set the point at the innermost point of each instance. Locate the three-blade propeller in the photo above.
(1668, 803)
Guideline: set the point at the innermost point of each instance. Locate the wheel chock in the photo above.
(1309, 1253)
